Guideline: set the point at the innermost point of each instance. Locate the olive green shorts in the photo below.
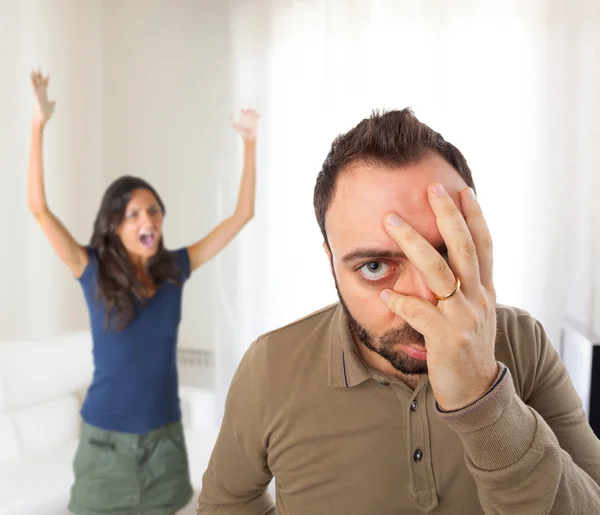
(127, 474)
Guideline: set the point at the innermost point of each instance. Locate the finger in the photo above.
(241, 130)
(462, 252)
(481, 236)
(434, 269)
(418, 313)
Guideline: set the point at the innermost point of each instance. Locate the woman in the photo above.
(132, 456)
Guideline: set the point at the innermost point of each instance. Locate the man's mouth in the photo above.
(415, 351)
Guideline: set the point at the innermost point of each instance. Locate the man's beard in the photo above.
(384, 344)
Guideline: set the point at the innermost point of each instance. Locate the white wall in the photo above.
(146, 87)
(65, 37)
(142, 88)
(512, 84)
(167, 108)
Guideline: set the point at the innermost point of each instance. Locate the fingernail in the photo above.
(394, 221)
(471, 194)
(438, 190)
(385, 295)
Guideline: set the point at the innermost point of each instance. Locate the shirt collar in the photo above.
(346, 368)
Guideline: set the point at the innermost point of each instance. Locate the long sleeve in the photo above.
(238, 476)
(536, 455)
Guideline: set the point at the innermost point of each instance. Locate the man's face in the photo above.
(365, 260)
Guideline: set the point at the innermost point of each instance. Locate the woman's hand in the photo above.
(43, 107)
(246, 126)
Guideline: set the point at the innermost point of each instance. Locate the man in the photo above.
(417, 393)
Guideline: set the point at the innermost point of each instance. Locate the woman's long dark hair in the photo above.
(118, 282)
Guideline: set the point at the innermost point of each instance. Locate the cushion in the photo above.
(39, 484)
(200, 445)
(48, 425)
(34, 371)
(198, 407)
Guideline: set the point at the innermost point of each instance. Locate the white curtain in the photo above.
(63, 37)
(513, 84)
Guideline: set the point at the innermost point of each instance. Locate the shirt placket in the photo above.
(422, 485)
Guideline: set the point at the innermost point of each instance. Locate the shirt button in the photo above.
(418, 455)
(413, 406)
(380, 380)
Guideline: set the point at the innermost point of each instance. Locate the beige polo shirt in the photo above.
(341, 439)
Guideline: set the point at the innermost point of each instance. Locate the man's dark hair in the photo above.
(394, 139)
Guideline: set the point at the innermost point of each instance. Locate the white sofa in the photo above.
(42, 384)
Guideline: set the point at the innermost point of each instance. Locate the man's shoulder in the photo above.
(289, 355)
(304, 340)
(511, 314)
(515, 326)
(314, 326)
(521, 344)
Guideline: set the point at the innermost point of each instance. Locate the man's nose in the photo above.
(411, 283)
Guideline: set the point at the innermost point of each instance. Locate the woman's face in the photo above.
(140, 230)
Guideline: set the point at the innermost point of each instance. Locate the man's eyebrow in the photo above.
(375, 253)
(372, 253)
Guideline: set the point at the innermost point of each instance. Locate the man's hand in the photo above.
(43, 107)
(459, 331)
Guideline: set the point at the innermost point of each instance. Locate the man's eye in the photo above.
(374, 270)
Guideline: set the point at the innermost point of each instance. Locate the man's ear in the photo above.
(329, 256)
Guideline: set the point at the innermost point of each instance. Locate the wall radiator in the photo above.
(196, 367)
